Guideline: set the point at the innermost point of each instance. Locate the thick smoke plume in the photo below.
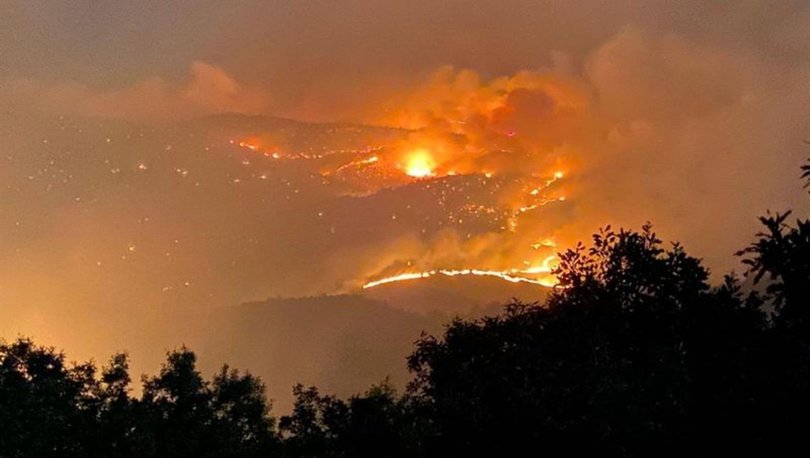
(649, 128)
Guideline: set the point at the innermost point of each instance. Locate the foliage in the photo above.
(376, 424)
(626, 358)
(782, 254)
(50, 408)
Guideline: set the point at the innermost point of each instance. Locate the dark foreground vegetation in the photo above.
(637, 356)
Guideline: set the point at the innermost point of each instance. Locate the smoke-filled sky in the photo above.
(434, 136)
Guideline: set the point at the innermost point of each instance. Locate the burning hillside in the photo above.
(493, 156)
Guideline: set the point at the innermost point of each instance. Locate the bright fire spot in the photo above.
(249, 146)
(419, 164)
(541, 274)
(546, 266)
(544, 243)
(548, 281)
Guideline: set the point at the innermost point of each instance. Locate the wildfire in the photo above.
(546, 266)
(514, 195)
(489, 188)
(420, 164)
(251, 146)
(509, 276)
(542, 274)
(359, 163)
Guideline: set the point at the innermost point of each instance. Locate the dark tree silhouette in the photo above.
(241, 414)
(616, 360)
(51, 409)
(782, 254)
(178, 400)
(193, 418)
(779, 258)
(376, 424)
(119, 426)
(46, 405)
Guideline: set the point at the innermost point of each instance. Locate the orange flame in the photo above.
(420, 164)
(548, 281)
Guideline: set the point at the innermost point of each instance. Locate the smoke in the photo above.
(673, 128)
(207, 90)
(653, 127)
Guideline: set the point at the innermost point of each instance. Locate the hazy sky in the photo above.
(296, 48)
(116, 197)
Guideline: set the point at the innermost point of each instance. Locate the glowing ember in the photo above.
(248, 145)
(420, 164)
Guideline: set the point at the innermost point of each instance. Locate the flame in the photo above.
(519, 196)
(546, 266)
(548, 281)
(498, 154)
(359, 163)
(251, 144)
(420, 164)
(540, 274)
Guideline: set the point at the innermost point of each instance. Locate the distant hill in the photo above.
(467, 296)
(344, 343)
(340, 343)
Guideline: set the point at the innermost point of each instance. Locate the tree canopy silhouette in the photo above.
(50, 408)
(626, 357)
